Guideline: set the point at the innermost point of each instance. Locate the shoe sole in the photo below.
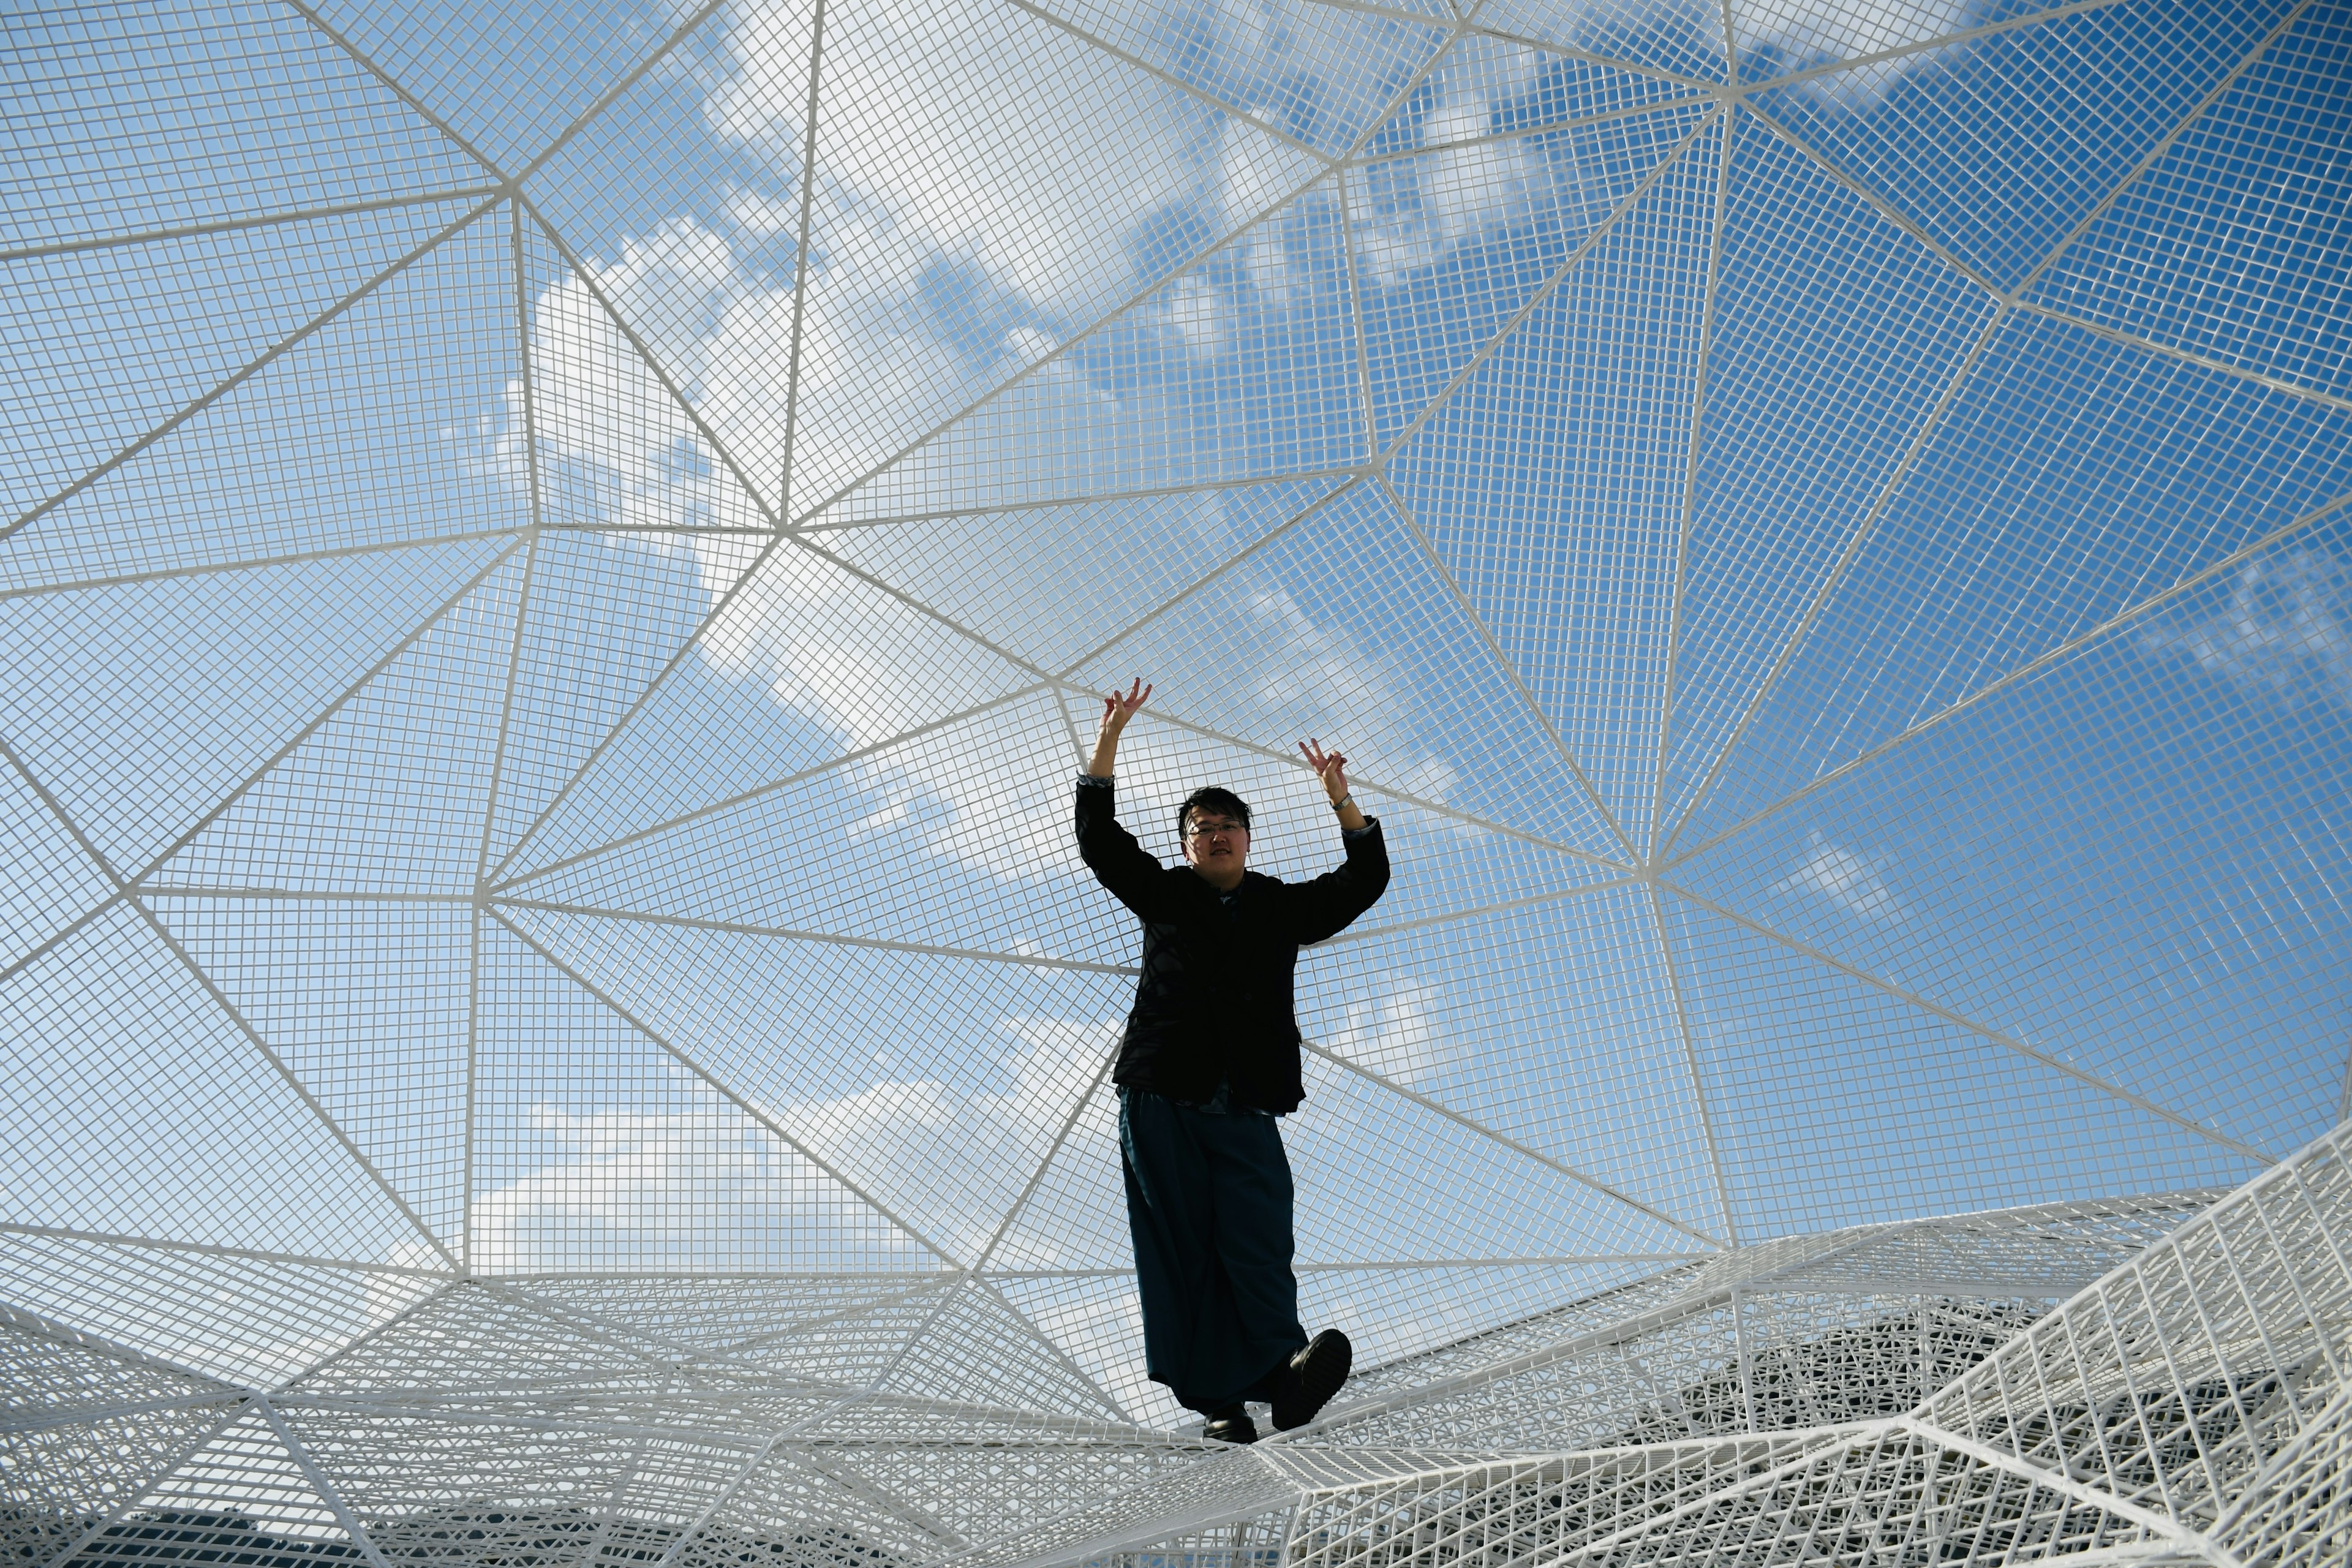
(1323, 1367)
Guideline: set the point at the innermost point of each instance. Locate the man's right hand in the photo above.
(1118, 708)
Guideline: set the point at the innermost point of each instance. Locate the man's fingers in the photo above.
(1327, 765)
(1122, 704)
(1126, 702)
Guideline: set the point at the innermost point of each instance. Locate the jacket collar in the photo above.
(1251, 882)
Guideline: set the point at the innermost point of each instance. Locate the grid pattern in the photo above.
(555, 562)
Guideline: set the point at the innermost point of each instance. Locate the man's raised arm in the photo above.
(1110, 852)
(1118, 708)
(1327, 904)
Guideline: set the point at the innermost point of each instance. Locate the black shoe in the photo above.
(1314, 1375)
(1231, 1424)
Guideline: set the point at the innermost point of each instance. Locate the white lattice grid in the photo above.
(2187, 1406)
(555, 561)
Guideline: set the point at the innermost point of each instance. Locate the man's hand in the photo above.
(1118, 708)
(1329, 766)
(1332, 769)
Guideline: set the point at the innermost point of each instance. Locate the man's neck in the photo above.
(1219, 883)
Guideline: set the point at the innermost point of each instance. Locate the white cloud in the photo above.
(2287, 629)
(604, 413)
(957, 238)
(697, 1190)
(1855, 884)
(1397, 1032)
(1411, 215)
(980, 181)
(1472, 186)
(1810, 31)
(1248, 183)
(492, 448)
(943, 268)
(981, 134)
(1432, 778)
(919, 1145)
(704, 1186)
(1800, 35)
(1197, 311)
(1466, 190)
(829, 645)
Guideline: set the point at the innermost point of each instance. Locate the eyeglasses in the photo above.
(1215, 830)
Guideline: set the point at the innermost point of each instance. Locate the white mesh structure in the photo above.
(555, 563)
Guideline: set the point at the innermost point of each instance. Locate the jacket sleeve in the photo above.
(1134, 877)
(1326, 906)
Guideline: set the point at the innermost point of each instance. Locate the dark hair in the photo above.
(1212, 798)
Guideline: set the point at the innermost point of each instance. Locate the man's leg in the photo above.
(1171, 1212)
(1246, 1349)
(1251, 1177)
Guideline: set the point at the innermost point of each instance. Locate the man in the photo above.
(1209, 1060)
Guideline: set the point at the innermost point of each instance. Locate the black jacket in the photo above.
(1214, 1001)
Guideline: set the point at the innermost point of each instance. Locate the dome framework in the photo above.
(557, 563)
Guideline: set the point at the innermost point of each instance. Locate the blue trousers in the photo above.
(1208, 1200)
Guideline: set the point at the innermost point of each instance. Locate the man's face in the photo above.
(1216, 845)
